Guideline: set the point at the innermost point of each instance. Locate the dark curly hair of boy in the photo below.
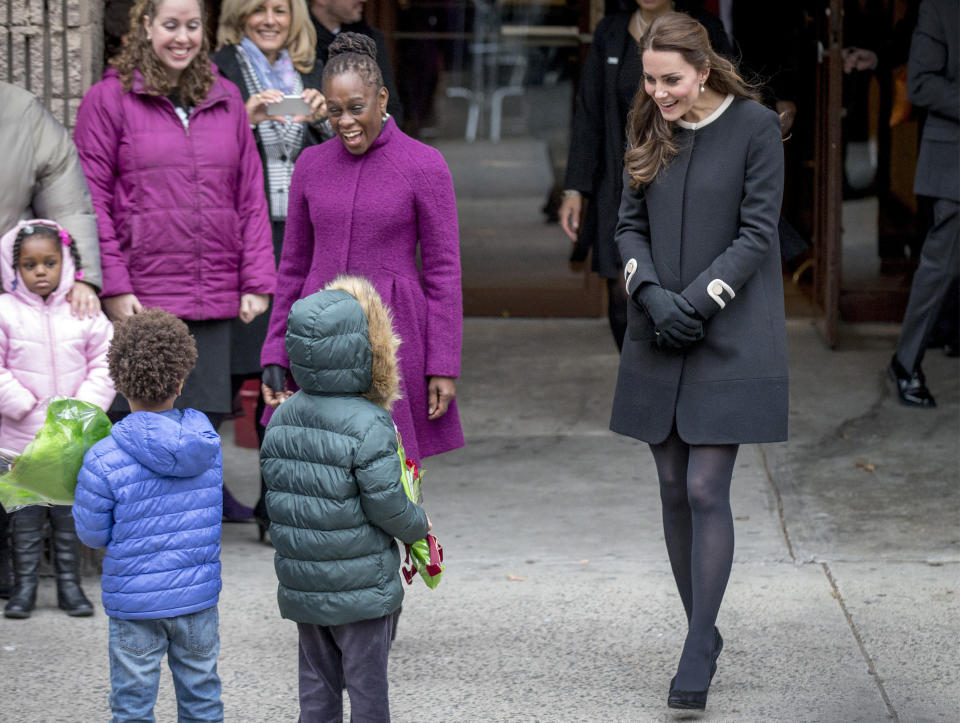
(150, 354)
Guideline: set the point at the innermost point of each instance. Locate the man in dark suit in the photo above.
(932, 84)
(331, 17)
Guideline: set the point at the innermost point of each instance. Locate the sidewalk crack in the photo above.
(776, 494)
(871, 667)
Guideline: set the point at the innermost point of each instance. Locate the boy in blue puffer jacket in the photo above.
(336, 501)
(151, 493)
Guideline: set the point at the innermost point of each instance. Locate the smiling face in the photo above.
(673, 84)
(356, 110)
(176, 34)
(268, 26)
(39, 264)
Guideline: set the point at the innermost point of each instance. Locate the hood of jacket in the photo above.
(341, 341)
(178, 444)
(8, 274)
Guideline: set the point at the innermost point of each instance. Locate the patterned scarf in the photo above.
(279, 76)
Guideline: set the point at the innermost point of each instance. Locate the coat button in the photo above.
(715, 288)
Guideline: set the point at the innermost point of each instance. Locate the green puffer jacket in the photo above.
(330, 463)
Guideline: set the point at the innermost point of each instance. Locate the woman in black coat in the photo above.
(704, 364)
(267, 48)
(610, 79)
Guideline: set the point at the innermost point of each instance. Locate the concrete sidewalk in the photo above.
(558, 603)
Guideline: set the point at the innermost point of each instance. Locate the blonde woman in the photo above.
(267, 48)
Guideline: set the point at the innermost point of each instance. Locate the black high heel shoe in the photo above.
(696, 699)
(262, 520)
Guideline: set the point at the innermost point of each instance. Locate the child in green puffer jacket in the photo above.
(335, 499)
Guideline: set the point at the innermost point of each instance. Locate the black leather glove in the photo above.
(674, 318)
(275, 377)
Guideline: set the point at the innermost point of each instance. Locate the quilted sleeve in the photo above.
(381, 492)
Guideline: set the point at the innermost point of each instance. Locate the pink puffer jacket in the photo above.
(181, 211)
(44, 350)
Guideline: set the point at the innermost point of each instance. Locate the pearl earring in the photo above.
(702, 88)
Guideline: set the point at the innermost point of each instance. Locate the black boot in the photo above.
(6, 568)
(26, 537)
(66, 563)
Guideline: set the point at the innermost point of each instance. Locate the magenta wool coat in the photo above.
(365, 215)
(181, 212)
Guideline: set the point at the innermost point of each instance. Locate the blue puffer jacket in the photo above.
(151, 493)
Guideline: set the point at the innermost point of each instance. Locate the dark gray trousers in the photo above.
(939, 265)
(352, 655)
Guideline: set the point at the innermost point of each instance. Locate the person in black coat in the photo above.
(704, 363)
(332, 17)
(933, 83)
(608, 83)
(266, 49)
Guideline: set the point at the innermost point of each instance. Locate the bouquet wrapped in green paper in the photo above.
(46, 472)
(424, 556)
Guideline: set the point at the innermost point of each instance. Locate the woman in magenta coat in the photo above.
(177, 185)
(362, 205)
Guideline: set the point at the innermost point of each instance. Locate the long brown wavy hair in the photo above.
(650, 145)
(137, 54)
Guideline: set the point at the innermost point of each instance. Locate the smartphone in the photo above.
(290, 105)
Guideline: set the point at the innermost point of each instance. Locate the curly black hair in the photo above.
(150, 354)
(39, 229)
(354, 53)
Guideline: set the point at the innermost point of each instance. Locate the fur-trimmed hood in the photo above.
(341, 341)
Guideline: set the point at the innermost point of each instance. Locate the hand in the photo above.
(257, 106)
(252, 305)
(673, 316)
(570, 212)
(120, 307)
(787, 110)
(858, 59)
(429, 524)
(271, 398)
(318, 106)
(273, 385)
(440, 392)
(84, 302)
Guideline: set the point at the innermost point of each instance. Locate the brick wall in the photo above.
(53, 48)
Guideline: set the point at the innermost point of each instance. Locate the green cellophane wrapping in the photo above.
(46, 472)
(419, 551)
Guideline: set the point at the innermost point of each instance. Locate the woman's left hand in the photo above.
(440, 392)
(318, 106)
(252, 305)
(84, 302)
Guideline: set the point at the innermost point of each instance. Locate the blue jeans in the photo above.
(191, 643)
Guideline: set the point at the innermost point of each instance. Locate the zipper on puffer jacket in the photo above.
(51, 345)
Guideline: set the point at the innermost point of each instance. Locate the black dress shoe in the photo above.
(686, 699)
(911, 386)
(696, 699)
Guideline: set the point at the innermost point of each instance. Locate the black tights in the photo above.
(698, 529)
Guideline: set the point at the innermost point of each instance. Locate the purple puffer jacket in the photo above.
(181, 212)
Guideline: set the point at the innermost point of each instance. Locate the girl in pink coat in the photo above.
(45, 352)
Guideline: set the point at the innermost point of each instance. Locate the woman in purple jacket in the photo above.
(363, 205)
(177, 185)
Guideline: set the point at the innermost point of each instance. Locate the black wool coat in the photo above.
(706, 227)
(598, 134)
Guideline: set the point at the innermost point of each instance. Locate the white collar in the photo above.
(710, 118)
